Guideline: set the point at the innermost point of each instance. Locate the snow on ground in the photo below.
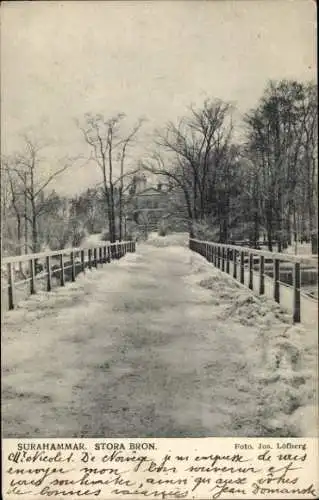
(168, 240)
(92, 239)
(299, 249)
(159, 344)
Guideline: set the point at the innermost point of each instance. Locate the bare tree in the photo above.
(309, 110)
(282, 144)
(12, 202)
(27, 167)
(177, 179)
(109, 151)
(198, 157)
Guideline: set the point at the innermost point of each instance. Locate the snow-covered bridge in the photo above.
(158, 343)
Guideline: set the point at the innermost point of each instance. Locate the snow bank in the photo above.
(286, 355)
(92, 239)
(168, 240)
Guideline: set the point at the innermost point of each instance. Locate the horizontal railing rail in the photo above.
(302, 259)
(55, 267)
(243, 262)
(52, 253)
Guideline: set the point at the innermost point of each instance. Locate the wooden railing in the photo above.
(54, 268)
(261, 270)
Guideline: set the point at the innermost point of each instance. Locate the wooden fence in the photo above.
(250, 267)
(55, 267)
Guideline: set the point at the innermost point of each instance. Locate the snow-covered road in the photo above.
(157, 344)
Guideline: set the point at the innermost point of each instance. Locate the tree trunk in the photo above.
(189, 212)
(26, 238)
(190, 228)
(256, 229)
(269, 225)
(314, 243)
(19, 236)
(288, 227)
(34, 235)
(120, 220)
(269, 236)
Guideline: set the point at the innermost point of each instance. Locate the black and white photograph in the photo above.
(159, 219)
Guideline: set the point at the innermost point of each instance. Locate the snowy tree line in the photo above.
(263, 182)
(227, 180)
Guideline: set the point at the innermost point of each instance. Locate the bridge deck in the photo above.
(142, 348)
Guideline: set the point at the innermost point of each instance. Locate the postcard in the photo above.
(159, 237)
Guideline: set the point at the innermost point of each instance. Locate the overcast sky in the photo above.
(62, 59)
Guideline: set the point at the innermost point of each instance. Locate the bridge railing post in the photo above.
(113, 251)
(234, 263)
(276, 280)
(82, 261)
(72, 266)
(62, 276)
(11, 289)
(227, 260)
(32, 276)
(251, 276)
(296, 297)
(100, 255)
(223, 259)
(261, 275)
(90, 258)
(95, 257)
(242, 267)
(49, 275)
